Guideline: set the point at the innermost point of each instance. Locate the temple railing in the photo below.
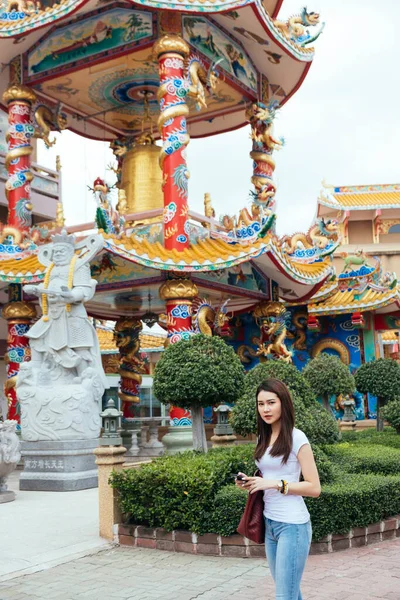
(194, 217)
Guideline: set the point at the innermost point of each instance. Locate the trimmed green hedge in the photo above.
(183, 491)
(354, 501)
(365, 459)
(229, 504)
(370, 436)
(177, 492)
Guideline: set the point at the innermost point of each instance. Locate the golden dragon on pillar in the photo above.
(126, 336)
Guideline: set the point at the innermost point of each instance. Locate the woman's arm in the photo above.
(309, 487)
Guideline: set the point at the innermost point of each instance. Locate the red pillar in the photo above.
(19, 100)
(171, 50)
(19, 316)
(179, 295)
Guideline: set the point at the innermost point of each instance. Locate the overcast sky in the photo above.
(342, 125)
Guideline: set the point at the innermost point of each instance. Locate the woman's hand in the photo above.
(239, 482)
(256, 484)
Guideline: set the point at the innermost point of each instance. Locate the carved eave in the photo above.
(277, 65)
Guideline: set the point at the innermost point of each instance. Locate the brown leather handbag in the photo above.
(252, 524)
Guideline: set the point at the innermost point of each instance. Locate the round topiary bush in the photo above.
(196, 373)
(327, 376)
(286, 373)
(381, 378)
(391, 412)
(319, 426)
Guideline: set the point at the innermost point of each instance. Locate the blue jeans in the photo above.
(287, 547)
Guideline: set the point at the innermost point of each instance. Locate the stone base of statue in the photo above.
(58, 406)
(59, 466)
(178, 439)
(60, 424)
(7, 496)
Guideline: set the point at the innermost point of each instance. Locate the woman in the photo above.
(282, 453)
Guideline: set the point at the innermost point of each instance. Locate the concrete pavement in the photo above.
(42, 529)
(368, 573)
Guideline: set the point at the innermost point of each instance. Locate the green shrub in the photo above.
(317, 424)
(328, 376)
(381, 378)
(196, 373)
(287, 373)
(324, 465)
(365, 459)
(354, 501)
(391, 412)
(370, 436)
(179, 492)
(229, 504)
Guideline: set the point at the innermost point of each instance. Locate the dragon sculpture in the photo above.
(27, 7)
(299, 323)
(247, 226)
(48, 120)
(244, 219)
(126, 337)
(272, 318)
(322, 235)
(261, 117)
(200, 80)
(209, 320)
(295, 28)
(119, 147)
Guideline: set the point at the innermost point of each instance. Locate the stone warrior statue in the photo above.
(60, 390)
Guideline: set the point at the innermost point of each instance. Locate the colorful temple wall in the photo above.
(337, 336)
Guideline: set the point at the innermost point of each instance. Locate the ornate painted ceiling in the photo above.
(97, 62)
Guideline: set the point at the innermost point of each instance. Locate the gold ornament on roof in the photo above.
(171, 42)
(178, 289)
(19, 93)
(19, 310)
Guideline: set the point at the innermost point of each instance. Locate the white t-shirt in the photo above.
(277, 506)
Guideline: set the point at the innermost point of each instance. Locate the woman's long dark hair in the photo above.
(284, 442)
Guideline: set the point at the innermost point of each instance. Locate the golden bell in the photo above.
(142, 178)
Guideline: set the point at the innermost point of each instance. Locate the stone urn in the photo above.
(9, 457)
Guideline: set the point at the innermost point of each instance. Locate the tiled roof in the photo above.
(389, 336)
(106, 340)
(148, 342)
(211, 254)
(21, 269)
(361, 197)
(151, 342)
(349, 301)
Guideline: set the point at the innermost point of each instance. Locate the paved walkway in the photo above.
(369, 573)
(42, 529)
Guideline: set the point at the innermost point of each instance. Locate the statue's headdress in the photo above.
(63, 238)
